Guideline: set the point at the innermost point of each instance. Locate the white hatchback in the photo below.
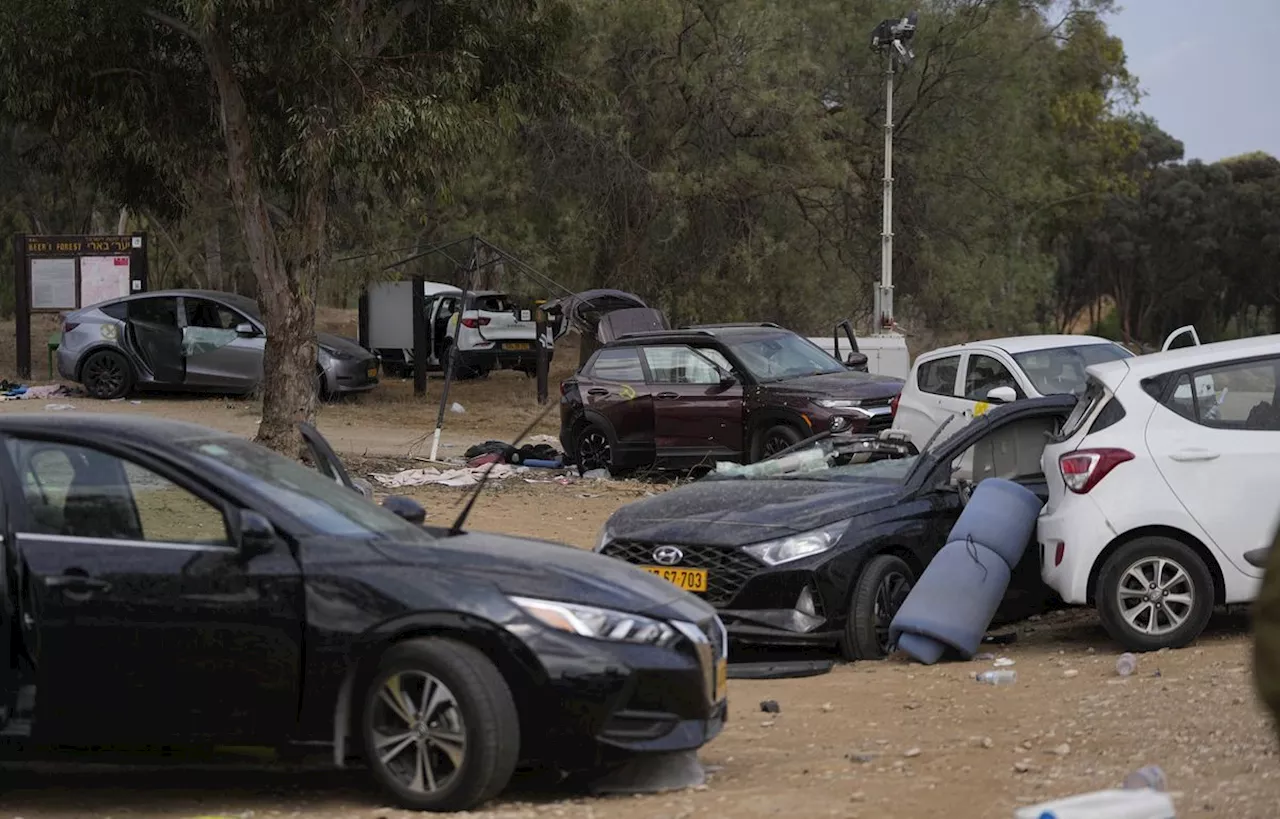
(1166, 474)
(964, 380)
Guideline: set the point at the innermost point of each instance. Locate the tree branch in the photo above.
(173, 23)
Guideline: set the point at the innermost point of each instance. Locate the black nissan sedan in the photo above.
(164, 584)
(826, 557)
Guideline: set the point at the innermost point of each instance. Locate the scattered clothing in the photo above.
(462, 476)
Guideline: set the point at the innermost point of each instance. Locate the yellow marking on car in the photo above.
(980, 408)
(627, 392)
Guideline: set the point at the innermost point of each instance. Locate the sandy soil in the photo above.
(869, 740)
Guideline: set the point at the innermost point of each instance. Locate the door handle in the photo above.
(77, 583)
(667, 396)
(1194, 454)
(597, 391)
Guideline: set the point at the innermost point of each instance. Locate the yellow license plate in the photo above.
(694, 580)
(722, 679)
(518, 346)
(373, 372)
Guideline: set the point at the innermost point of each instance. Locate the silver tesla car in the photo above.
(197, 340)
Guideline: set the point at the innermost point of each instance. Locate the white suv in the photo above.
(966, 379)
(1166, 474)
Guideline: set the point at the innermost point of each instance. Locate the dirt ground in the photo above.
(883, 739)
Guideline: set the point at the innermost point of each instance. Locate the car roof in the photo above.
(138, 429)
(1184, 358)
(702, 332)
(1014, 345)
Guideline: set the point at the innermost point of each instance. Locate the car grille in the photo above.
(727, 569)
(879, 423)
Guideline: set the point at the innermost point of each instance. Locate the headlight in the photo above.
(600, 624)
(602, 540)
(795, 547)
(340, 355)
(838, 403)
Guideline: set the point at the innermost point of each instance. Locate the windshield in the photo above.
(888, 469)
(1060, 370)
(783, 356)
(321, 502)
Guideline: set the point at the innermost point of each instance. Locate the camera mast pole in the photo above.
(884, 294)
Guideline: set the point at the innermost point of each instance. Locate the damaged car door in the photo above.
(222, 347)
(697, 405)
(157, 337)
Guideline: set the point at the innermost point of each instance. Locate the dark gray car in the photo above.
(198, 340)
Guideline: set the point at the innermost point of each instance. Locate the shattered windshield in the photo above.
(1060, 370)
(854, 459)
(783, 356)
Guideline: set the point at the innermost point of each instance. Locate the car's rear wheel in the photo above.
(595, 449)
(877, 595)
(773, 439)
(106, 375)
(1153, 593)
(440, 727)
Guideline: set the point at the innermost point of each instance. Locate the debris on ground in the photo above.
(770, 707)
(12, 391)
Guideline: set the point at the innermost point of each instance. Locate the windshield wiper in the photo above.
(456, 528)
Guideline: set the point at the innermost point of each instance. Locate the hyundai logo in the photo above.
(667, 555)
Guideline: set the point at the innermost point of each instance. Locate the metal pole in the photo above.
(540, 325)
(884, 296)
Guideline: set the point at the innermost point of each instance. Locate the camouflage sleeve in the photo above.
(1266, 630)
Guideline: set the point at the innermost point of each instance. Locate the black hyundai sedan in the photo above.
(164, 584)
(825, 557)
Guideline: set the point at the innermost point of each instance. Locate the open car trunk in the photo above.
(592, 313)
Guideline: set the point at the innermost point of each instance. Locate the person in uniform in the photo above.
(1266, 634)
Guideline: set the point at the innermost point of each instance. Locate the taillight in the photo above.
(564, 387)
(473, 323)
(68, 326)
(1082, 469)
(893, 405)
(1059, 552)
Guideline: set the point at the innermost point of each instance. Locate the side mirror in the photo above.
(728, 379)
(363, 487)
(1002, 395)
(255, 534)
(246, 329)
(406, 508)
(856, 361)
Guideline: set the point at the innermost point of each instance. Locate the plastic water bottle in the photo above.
(1149, 777)
(1115, 804)
(1126, 664)
(1002, 676)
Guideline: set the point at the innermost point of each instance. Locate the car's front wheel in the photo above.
(1153, 593)
(440, 727)
(877, 595)
(771, 440)
(106, 375)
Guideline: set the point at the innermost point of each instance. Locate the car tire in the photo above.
(1139, 623)
(473, 707)
(106, 375)
(773, 438)
(878, 592)
(322, 390)
(594, 448)
(462, 372)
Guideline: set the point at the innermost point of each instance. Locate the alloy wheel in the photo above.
(594, 451)
(892, 591)
(105, 375)
(419, 734)
(775, 444)
(1155, 596)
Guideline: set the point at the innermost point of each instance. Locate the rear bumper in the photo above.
(1078, 525)
(500, 358)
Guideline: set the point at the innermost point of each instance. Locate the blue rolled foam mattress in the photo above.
(952, 604)
(1000, 515)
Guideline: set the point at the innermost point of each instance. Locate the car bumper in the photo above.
(1078, 526)
(346, 377)
(67, 361)
(606, 701)
(503, 357)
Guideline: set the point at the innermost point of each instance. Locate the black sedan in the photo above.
(826, 557)
(165, 584)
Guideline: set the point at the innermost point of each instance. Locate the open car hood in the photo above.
(740, 512)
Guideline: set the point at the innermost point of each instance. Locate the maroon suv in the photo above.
(682, 398)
